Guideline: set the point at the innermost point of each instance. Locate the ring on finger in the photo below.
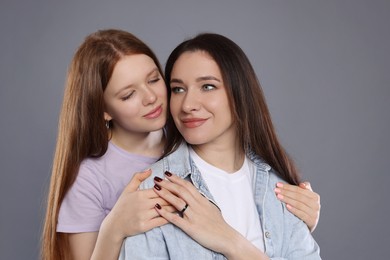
(184, 209)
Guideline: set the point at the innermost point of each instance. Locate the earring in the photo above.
(107, 124)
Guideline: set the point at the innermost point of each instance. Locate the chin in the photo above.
(194, 140)
(159, 124)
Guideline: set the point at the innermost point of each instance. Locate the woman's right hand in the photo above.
(302, 201)
(133, 213)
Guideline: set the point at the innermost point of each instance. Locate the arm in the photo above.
(301, 201)
(81, 244)
(300, 243)
(202, 220)
(145, 246)
(132, 214)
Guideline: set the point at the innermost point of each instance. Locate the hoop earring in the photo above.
(107, 124)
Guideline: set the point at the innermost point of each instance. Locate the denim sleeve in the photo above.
(302, 244)
(149, 245)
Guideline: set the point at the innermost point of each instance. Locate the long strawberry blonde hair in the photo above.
(82, 130)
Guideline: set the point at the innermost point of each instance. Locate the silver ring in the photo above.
(184, 209)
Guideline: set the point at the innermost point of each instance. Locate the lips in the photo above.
(193, 122)
(154, 113)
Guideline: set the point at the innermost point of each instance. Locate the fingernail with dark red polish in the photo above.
(168, 174)
(158, 179)
(158, 206)
(157, 187)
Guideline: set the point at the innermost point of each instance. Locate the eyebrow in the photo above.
(204, 78)
(129, 86)
(153, 71)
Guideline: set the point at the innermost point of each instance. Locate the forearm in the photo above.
(239, 248)
(108, 243)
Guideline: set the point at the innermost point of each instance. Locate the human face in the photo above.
(135, 97)
(199, 102)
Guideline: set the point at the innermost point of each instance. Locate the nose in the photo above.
(149, 96)
(191, 102)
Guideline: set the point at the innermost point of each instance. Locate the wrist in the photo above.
(233, 245)
(110, 230)
(241, 248)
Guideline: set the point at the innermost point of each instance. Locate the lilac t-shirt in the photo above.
(98, 185)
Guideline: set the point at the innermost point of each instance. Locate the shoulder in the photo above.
(105, 165)
(267, 179)
(90, 169)
(264, 168)
(177, 162)
(289, 219)
(274, 178)
(157, 170)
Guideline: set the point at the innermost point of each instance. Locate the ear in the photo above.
(107, 116)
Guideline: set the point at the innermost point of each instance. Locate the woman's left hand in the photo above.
(202, 220)
(207, 229)
(196, 215)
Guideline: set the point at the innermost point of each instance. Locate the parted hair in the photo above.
(250, 112)
(82, 130)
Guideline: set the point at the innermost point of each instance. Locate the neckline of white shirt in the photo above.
(217, 172)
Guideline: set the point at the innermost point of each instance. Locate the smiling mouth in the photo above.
(194, 122)
(154, 113)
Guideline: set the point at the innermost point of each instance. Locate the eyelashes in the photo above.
(127, 96)
(151, 82)
(204, 87)
(208, 87)
(154, 80)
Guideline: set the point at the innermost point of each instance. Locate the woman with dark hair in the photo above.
(220, 138)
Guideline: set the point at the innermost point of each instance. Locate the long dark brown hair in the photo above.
(250, 112)
(82, 131)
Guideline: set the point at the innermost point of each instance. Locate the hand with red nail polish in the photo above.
(133, 213)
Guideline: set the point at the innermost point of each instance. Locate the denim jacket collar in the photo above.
(285, 236)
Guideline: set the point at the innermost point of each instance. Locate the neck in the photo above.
(147, 144)
(227, 157)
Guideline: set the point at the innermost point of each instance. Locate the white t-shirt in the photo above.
(233, 193)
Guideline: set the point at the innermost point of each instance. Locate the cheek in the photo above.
(222, 107)
(125, 110)
(218, 103)
(174, 105)
(109, 109)
(224, 101)
(162, 92)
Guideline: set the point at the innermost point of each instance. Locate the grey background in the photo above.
(324, 67)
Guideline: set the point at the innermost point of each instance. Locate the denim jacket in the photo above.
(285, 236)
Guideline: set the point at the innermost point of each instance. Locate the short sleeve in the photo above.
(82, 208)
